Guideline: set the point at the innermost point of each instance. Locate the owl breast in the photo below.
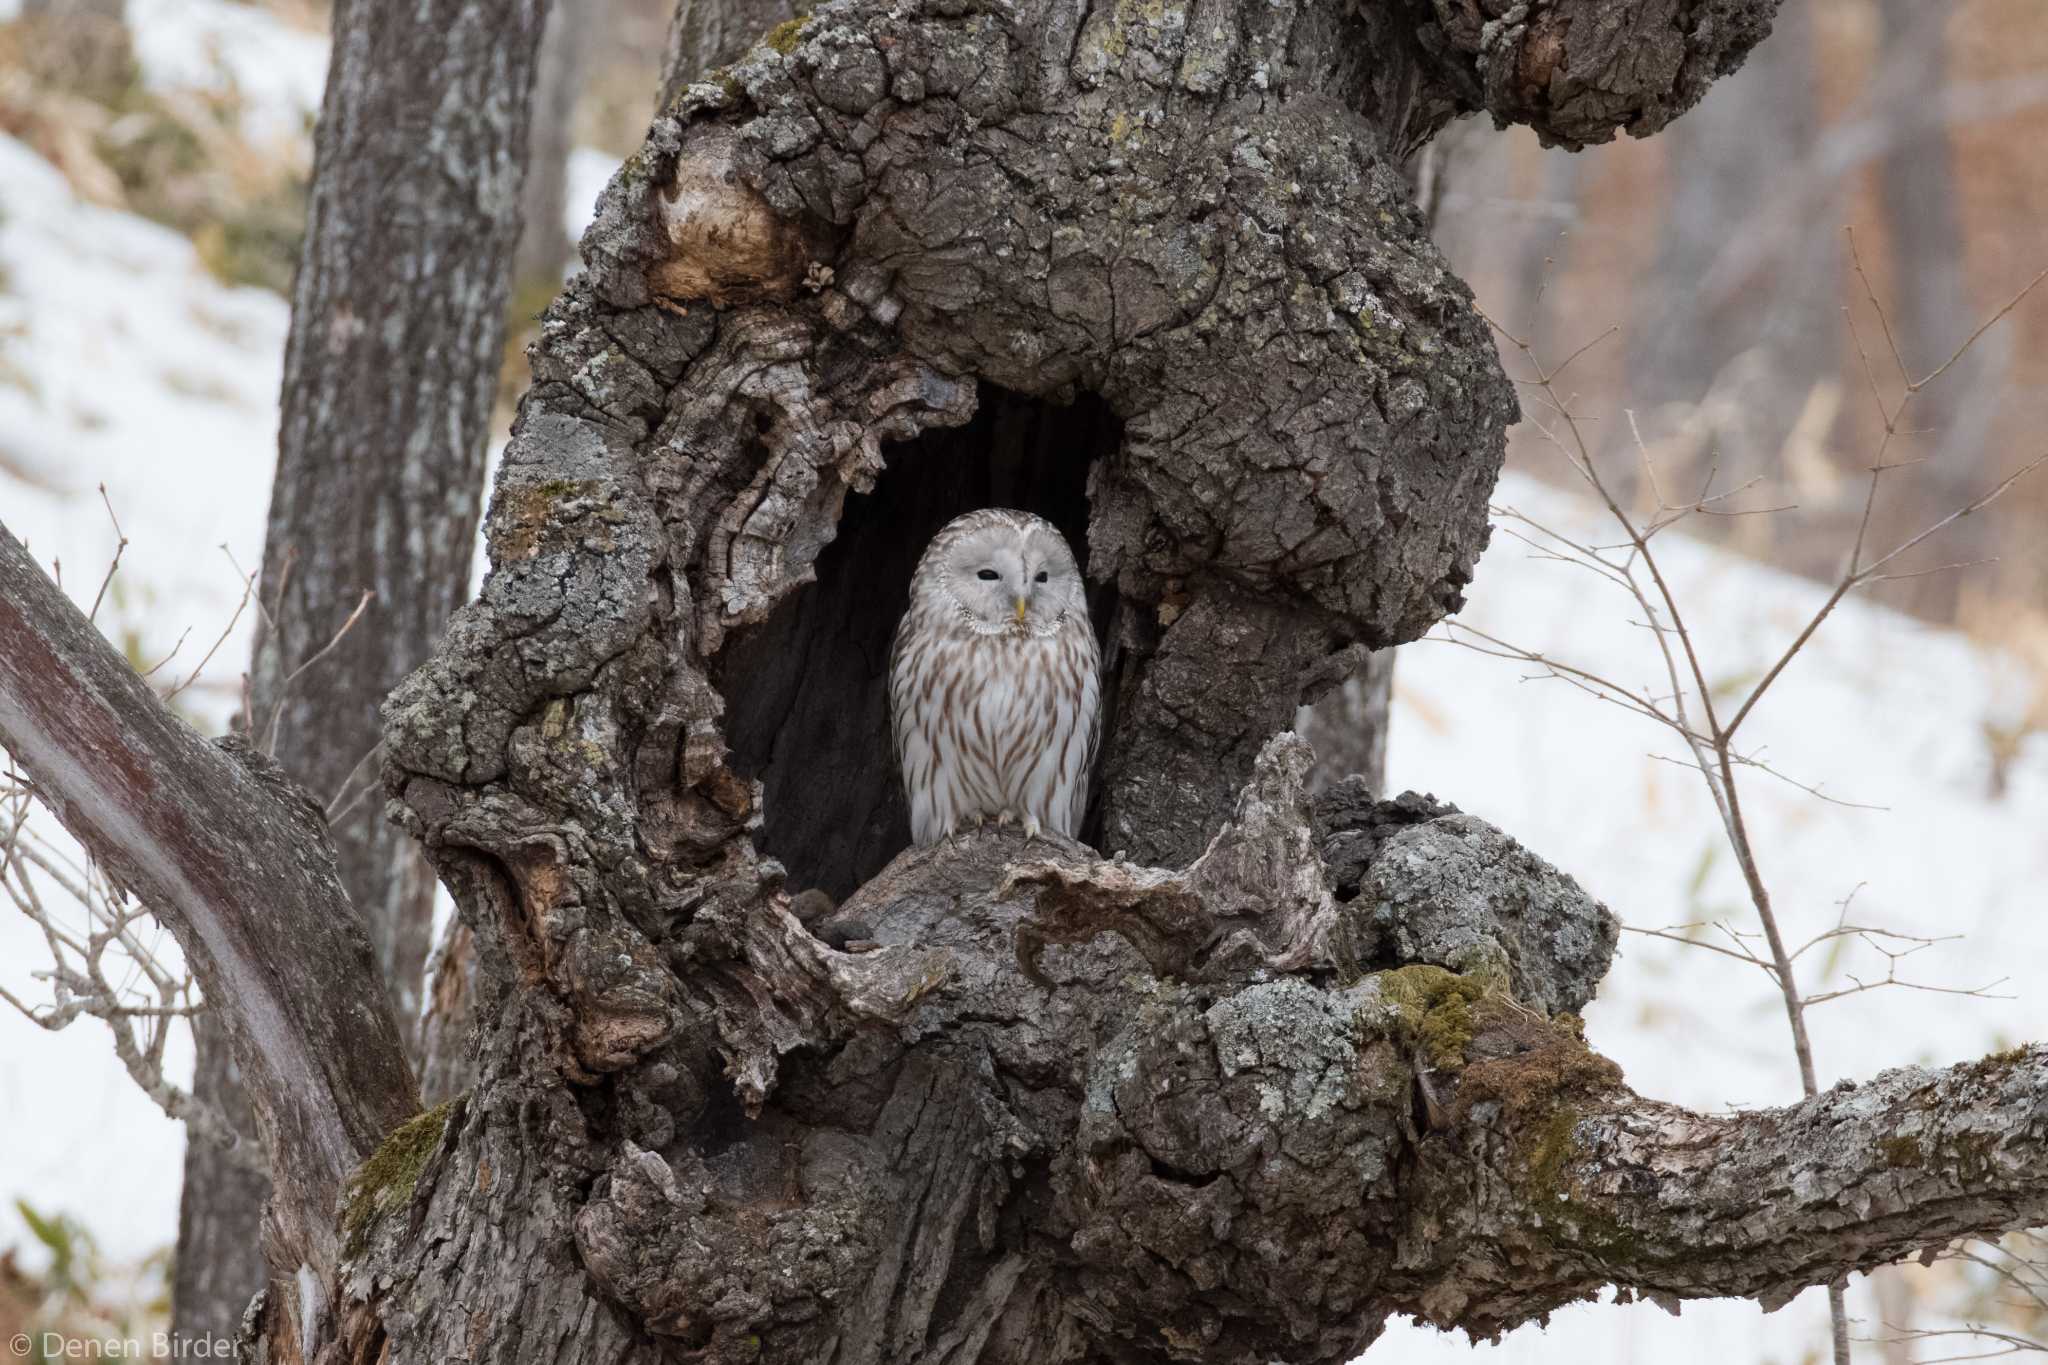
(995, 727)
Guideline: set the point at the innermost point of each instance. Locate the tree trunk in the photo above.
(1298, 1065)
(1930, 293)
(1734, 350)
(219, 1262)
(233, 858)
(398, 326)
(1348, 728)
(544, 245)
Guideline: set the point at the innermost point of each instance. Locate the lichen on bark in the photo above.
(1270, 1071)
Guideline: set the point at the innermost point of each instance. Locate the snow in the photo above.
(1879, 709)
(590, 170)
(278, 70)
(122, 361)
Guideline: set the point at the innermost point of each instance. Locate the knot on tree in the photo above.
(1578, 71)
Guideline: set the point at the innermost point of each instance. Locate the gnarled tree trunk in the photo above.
(1158, 277)
(1291, 1065)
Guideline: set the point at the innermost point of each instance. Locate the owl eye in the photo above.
(1041, 577)
(988, 575)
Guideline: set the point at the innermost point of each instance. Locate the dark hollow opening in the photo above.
(806, 691)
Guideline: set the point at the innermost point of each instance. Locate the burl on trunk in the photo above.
(751, 1086)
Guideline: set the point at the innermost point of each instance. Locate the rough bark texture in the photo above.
(234, 859)
(1291, 1066)
(1279, 1072)
(398, 329)
(398, 326)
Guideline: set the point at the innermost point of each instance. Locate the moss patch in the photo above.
(2002, 1060)
(1434, 1008)
(783, 37)
(531, 509)
(387, 1181)
(1901, 1151)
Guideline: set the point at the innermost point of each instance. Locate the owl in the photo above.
(994, 680)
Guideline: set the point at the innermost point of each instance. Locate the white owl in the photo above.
(994, 680)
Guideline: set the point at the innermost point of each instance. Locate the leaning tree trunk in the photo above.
(1151, 272)
(398, 325)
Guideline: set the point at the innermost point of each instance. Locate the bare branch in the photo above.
(236, 866)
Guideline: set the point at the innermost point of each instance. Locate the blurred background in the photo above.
(153, 162)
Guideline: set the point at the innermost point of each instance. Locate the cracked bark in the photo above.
(1278, 1068)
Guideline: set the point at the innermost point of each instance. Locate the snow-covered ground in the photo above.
(122, 361)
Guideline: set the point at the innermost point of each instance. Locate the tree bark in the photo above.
(624, 758)
(398, 330)
(1300, 1064)
(219, 1265)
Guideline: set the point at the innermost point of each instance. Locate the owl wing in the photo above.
(1081, 689)
(915, 656)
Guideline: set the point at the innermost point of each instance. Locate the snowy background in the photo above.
(124, 362)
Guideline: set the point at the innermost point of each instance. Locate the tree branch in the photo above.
(235, 863)
(1579, 71)
(1594, 1185)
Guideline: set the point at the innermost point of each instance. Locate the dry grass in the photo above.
(69, 88)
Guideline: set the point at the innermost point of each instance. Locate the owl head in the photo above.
(1003, 571)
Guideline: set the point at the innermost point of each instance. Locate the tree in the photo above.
(398, 327)
(742, 1095)
(544, 245)
(1742, 338)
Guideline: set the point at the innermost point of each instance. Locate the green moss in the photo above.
(1553, 1148)
(1434, 1008)
(1566, 1218)
(520, 517)
(1901, 1151)
(783, 37)
(387, 1181)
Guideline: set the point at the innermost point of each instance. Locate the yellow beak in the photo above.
(1020, 610)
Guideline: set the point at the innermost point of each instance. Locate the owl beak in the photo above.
(1022, 607)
